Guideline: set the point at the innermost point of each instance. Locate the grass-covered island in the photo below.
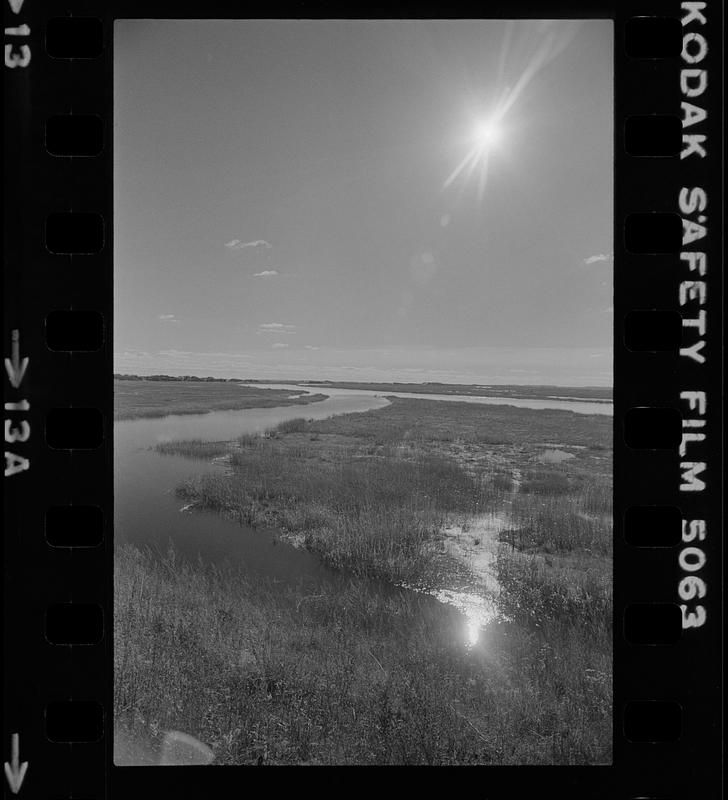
(416, 493)
(139, 397)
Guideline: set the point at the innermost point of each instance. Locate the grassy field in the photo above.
(358, 676)
(140, 398)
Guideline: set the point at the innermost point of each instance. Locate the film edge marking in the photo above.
(692, 202)
(15, 368)
(15, 771)
(13, 58)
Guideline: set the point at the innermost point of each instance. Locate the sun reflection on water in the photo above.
(478, 611)
(472, 632)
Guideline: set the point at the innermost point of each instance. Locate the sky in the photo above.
(289, 203)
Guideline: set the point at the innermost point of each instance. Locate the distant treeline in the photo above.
(173, 378)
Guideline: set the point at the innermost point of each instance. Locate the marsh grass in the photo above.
(556, 563)
(558, 524)
(545, 482)
(574, 591)
(296, 425)
(597, 498)
(134, 399)
(502, 482)
(373, 513)
(192, 448)
(432, 422)
(351, 676)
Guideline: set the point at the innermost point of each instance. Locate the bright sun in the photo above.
(487, 134)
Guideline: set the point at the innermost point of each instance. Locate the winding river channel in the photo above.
(148, 513)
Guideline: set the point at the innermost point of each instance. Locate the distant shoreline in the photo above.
(592, 394)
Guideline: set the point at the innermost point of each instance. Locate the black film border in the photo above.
(58, 312)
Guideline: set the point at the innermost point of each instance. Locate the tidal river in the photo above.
(566, 403)
(147, 511)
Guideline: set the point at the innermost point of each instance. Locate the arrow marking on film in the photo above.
(15, 771)
(14, 366)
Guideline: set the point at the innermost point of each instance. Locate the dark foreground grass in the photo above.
(135, 399)
(263, 675)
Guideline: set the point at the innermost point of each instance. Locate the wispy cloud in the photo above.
(236, 244)
(277, 328)
(167, 318)
(266, 273)
(598, 258)
(279, 345)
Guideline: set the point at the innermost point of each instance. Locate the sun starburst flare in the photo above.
(488, 132)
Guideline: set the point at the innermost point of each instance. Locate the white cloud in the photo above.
(167, 318)
(277, 328)
(598, 258)
(266, 273)
(236, 244)
(279, 345)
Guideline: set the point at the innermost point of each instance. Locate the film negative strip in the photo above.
(117, 117)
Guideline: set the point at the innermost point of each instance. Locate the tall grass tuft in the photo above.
(297, 425)
(545, 482)
(558, 525)
(193, 448)
(596, 498)
(537, 590)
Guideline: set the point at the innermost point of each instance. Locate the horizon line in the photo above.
(316, 382)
